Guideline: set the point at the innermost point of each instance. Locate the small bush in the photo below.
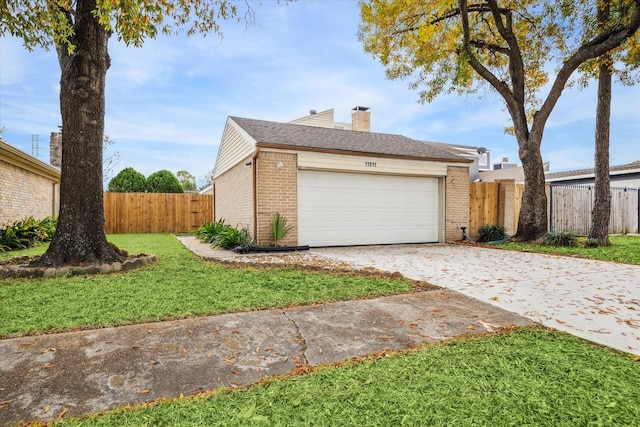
(560, 238)
(279, 227)
(208, 232)
(223, 235)
(27, 233)
(491, 233)
(231, 237)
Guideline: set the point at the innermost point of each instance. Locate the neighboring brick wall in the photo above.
(506, 204)
(456, 202)
(24, 194)
(277, 192)
(233, 197)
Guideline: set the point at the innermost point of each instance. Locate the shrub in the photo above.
(279, 227)
(163, 182)
(128, 180)
(27, 233)
(223, 235)
(491, 233)
(560, 238)
(231, 237)
(208, 232)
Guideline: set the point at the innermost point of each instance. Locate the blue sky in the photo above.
(167, 102)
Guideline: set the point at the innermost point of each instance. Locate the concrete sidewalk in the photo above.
(72, 374)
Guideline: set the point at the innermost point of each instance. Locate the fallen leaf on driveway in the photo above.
(142, 392)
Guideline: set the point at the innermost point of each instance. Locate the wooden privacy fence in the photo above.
(494, 203)
(571, 207)
(156, 212)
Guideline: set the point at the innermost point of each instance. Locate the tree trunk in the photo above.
(599, 231)
(80, 236)
(533, 221)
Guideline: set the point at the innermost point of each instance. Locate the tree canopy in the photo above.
(128, 180)
(42, 23)
(187, 180)
(163, 181)
(446, 46)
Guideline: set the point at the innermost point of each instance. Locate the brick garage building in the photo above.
(28, 186)
(338, 183)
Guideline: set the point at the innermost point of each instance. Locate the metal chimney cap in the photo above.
(360, 108)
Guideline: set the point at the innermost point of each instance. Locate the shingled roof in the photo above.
(613, 170)
(286, 135)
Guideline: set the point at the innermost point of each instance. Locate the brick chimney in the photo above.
(361, 119)
(55, 149)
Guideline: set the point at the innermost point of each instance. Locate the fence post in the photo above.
(550, 208)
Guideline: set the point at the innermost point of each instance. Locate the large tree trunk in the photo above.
(599, 231)
(533, 221)
(80, 236)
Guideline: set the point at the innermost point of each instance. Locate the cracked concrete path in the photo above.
(76, 373)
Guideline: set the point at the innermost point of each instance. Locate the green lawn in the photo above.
(523, 378)
(624, 249)
(180, 285)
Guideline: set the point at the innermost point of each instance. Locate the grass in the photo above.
(523, 378)
(625, 249)
(180, 285)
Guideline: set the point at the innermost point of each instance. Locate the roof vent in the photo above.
(312, 112)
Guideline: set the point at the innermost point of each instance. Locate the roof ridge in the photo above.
(322, 138)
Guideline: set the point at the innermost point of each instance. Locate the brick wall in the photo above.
(507, 204)
(456, 202)
(276, 192)
(233, 197)
(24, 194)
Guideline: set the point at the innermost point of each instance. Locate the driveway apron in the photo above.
(595, 300)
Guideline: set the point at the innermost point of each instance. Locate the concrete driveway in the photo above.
(595, 300)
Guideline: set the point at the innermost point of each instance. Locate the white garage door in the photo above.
(336, 208)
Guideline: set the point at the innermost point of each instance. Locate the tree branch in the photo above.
(481, 44)
(598, 46)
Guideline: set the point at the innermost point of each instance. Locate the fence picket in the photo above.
(572, 206)
(156, 212)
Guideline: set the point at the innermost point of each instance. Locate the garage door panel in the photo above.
(336, 208)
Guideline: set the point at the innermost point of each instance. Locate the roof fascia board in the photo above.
(217, 170)
(263, 145)
(22, 160)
